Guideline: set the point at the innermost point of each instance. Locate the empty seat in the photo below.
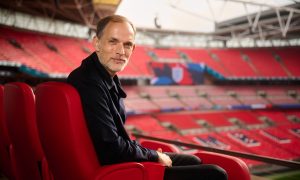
(5, 143)
(235, 167)
(19, 107)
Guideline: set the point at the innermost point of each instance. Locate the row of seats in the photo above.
(247, 62)
(42, 52)
(215, 129)
(22, 155)
(47, 138)
(145, 99)
(211, 91)
(57, 54)
(214, 120)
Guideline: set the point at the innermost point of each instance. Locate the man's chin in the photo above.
(119, 69)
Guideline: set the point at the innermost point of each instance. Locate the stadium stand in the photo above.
(57, 54)
(181, 122)
(203, 56)
(138, 122)
(140, 59)
(262, 67)
(214, 121)
(288, 57)
(166, 54)
(232, 60)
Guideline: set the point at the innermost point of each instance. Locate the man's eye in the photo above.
(113, 41)
(129, 46)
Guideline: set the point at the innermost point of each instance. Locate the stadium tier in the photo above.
(52, 54)
(206, 97)
(42, 52)
(289, 57)
(262, 60)
(259, 119)
(140, 60)
(216, 129)
(233, 62)
(166, 54)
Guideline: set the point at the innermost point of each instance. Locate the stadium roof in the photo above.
(160, 20)
(223, 18)
(194, 15)
(85, 12)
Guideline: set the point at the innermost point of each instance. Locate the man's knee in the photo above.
(188, 159)
(194, 159)
(218, 172)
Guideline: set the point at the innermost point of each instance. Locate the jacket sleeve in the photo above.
(110, 146)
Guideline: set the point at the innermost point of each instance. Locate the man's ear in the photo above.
(96, 43)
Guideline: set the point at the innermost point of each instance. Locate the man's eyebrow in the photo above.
(129, 43)
(114, 39)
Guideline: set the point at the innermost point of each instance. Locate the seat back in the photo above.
(19, 107)
(5, 162)
(236, 168)
(63, 132)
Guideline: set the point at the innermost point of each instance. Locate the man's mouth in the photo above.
(119, 61)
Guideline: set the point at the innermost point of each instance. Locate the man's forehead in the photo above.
(115, 25)
(119, 34)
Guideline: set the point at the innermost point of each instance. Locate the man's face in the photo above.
(115, 46)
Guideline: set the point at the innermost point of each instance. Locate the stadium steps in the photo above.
(215, 58)
(282, 64)
(250, 63)
(290, 58)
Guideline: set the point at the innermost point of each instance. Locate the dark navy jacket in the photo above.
(102, 101)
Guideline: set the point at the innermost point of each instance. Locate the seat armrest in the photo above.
(235, 167)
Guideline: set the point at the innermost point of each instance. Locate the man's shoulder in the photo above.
(86, 69)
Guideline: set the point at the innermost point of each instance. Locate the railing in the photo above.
(281, 162)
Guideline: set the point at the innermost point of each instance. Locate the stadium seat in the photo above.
(235, 167)
(20, 118)
(5, 143)
(67, 144)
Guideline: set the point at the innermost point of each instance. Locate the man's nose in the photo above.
(120, 49)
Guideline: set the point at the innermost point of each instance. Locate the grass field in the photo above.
(293, 175)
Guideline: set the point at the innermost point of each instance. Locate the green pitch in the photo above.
(293, 175)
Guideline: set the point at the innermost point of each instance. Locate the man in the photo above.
(102, 99)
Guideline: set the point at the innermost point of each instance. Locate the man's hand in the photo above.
(163, 159)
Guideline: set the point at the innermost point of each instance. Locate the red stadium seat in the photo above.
(235, 167)
(67, 143)
(20, 118)
(5, 143)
